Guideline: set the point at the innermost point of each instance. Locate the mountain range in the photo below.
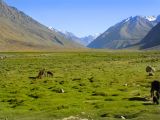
(81, 40)
(88, 39)
(128, 32)
(20, 32)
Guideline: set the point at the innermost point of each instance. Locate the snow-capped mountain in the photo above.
(150, 18)
(70, 36)
(88, 39)
(125, 33)
(81, 40)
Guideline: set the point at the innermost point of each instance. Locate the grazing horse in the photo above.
(41, 74)
(150, 70)
(49, 74)
(155, 91)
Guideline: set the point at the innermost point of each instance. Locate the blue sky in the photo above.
(84, 17)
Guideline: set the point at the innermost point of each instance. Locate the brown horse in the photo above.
(49, 74)
(41, 74)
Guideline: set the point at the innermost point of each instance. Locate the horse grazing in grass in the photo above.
(49, 74)
(155, 91)
(41, 74)
(150, 70)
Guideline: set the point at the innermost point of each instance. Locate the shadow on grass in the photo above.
(104, 115)
(148, 103)
(33, 78)
(137, 99)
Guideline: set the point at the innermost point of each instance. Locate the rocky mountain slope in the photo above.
(126, 33)
(152, 39)
(20, 32)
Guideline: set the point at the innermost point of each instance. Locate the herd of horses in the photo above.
(155, 85)
(43, 73)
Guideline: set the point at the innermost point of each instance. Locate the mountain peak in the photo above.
(132, 18)
(125, 33)
(138, 17)
(150, 18)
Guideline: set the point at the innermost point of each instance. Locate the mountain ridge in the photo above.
(71, 36)
(152, 39)
(123, 34)
(21, 32)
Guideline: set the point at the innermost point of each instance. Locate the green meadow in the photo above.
(97, 86)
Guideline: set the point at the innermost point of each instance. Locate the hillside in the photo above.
(128, 32)
(19, 32)
(152, 40)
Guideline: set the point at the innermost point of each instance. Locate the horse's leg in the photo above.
(157, 94)
(152, 92)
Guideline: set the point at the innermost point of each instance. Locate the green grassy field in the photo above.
(97, 85)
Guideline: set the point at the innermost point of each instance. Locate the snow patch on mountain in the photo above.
(51, 28)
(126, 20)
(150, 18)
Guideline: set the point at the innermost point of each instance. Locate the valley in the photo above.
(97, 85)
(51, 74)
